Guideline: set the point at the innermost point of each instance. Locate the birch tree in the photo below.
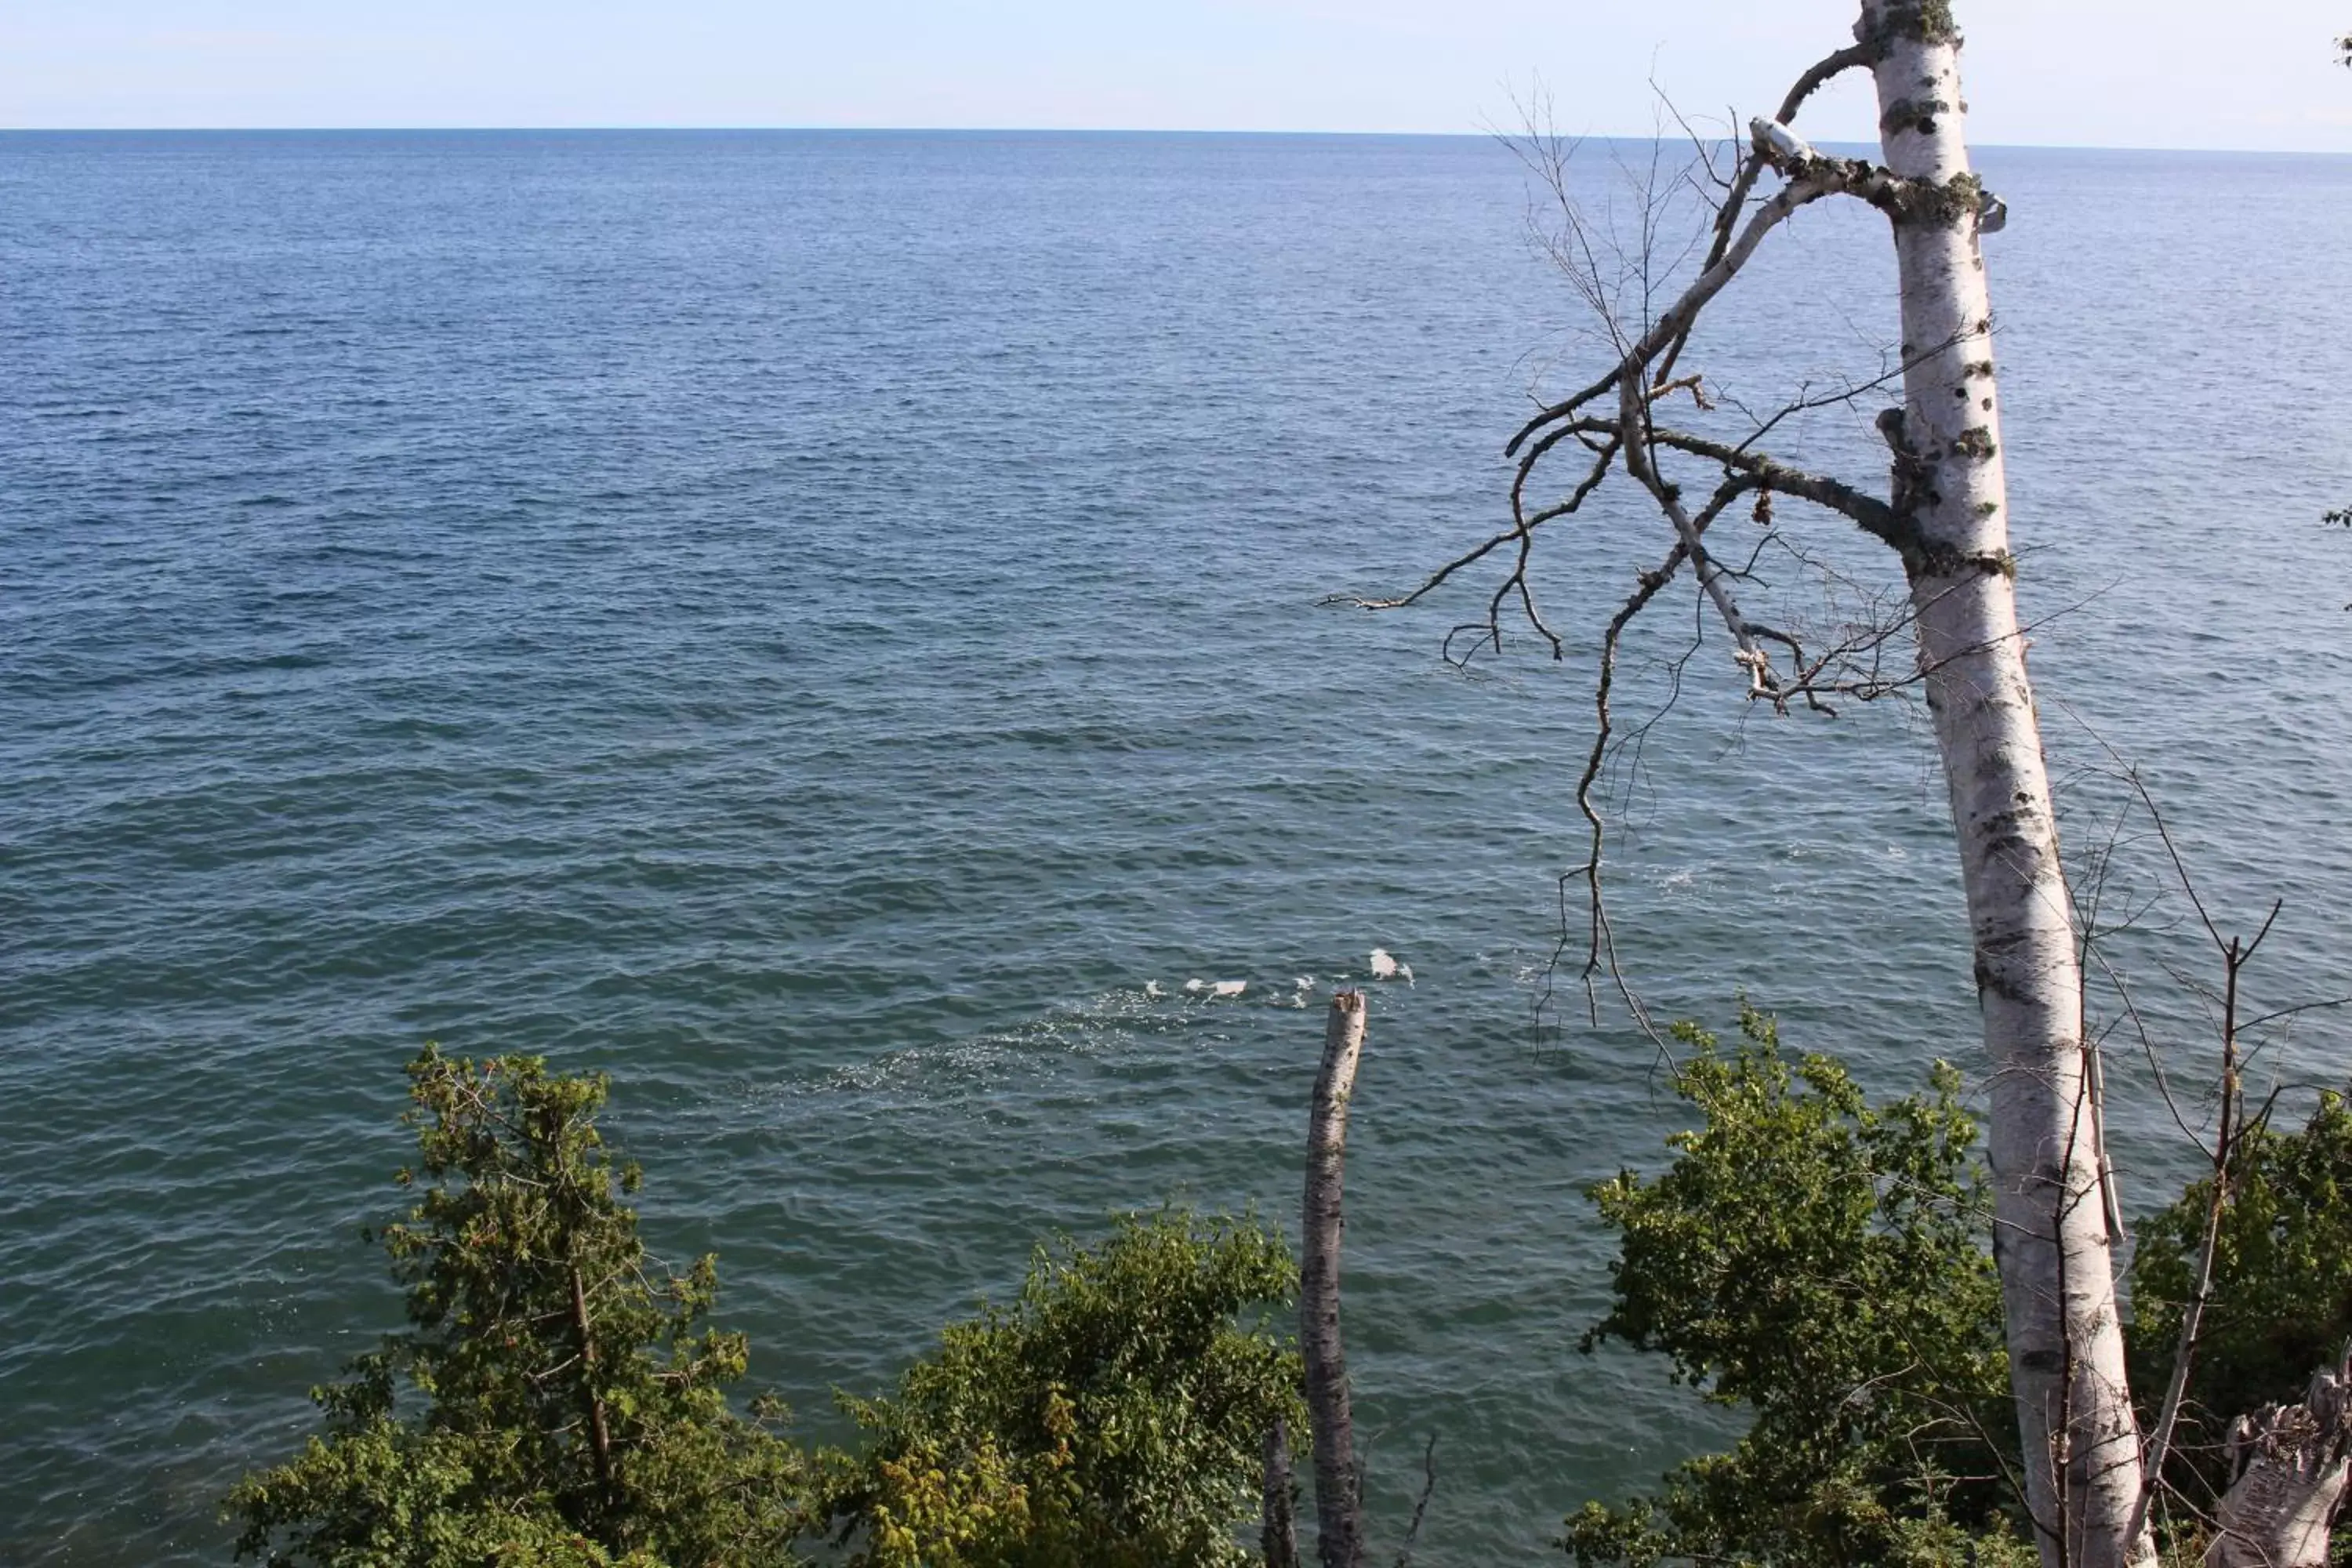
(1945, 515)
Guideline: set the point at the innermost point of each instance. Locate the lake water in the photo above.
(813, 624)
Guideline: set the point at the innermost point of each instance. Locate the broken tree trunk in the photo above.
(2050, 1234)
(1279, 1512)
(2280, 1509)
(1339, 1505)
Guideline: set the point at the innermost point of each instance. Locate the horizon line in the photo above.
(1029, 131)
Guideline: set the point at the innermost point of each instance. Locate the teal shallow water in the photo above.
(813, 624)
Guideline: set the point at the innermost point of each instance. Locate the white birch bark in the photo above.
(1339, 1513)
(2051, 1235)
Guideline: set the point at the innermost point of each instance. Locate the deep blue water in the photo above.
(813, 623)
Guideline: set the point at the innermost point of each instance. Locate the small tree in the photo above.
(552, 1401)
(1113, 1416)
(1817, 1262)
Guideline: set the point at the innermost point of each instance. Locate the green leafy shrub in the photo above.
(1819, 1263)
(552, 1404)
(1111, 1417)
(2281, 1305)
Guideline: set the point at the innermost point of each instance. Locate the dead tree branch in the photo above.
(1421, 1504)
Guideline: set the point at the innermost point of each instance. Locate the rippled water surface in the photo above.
(813, 624)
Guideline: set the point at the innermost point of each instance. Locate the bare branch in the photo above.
(1646, 588)
(1421, 1505)
(1743, 181)
(1820, 74)
(1823, 177)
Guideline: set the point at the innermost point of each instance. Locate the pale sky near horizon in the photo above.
(2128, 73)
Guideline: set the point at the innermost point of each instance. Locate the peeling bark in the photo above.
(2052, 1239)
(2280, 1509)
(1338, 1504)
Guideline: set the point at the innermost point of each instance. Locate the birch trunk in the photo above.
(2051, 1235)
(1338, 1512)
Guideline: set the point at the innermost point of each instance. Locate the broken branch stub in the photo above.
(2281, 1508)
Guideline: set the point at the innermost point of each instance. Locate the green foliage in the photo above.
(1111, 1417)
(550, 1404)
(2281, 1306)
(1819, 1263)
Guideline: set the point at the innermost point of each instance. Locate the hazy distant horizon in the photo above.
(2153, 74)
(1104, 130)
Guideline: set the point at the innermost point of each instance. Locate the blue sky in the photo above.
(2254, 74)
